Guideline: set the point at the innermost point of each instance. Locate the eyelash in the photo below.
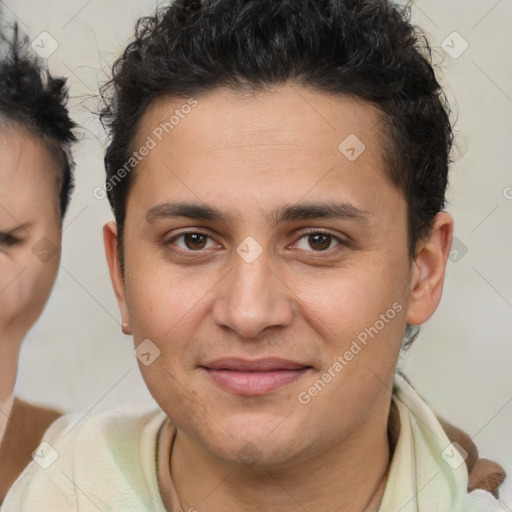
(311, 232)
(8, 240)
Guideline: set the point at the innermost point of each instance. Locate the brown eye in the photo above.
(192, 241)
(318, 241)
(195, 240)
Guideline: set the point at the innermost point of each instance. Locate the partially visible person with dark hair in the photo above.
(277, 172)
(36, 180)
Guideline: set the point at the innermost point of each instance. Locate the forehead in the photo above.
(24, 156)
(28, 172)
(287, 141)
(291, 115)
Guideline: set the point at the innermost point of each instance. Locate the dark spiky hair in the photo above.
(31, 99)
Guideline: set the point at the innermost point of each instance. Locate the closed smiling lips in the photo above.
(254, 376)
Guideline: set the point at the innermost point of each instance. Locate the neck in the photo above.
(350, 477)
(9, 353)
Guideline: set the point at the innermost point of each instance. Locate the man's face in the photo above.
(251, 310)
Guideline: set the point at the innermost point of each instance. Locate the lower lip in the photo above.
(254, 383)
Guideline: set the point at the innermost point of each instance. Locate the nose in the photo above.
(252, 297)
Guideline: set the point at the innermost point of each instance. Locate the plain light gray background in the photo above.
(76, 358)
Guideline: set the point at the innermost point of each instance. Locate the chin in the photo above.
(259, 453)
(257, 439)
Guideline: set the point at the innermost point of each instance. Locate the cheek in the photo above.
(361, 318)
(344, 302)
(162, 300)
(25, 297)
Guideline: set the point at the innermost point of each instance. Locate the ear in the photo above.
(428, 270)
(111, 252)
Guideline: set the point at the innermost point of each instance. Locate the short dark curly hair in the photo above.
(31, 99)
(366, 49)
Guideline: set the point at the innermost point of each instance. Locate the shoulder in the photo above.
(34, 414)
(472, 482)
(102, 459)
(26, 426)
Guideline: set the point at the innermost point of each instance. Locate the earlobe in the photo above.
(428, 270)
(110, 241)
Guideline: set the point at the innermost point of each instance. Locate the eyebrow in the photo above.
(13, 230)
(336, 211)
